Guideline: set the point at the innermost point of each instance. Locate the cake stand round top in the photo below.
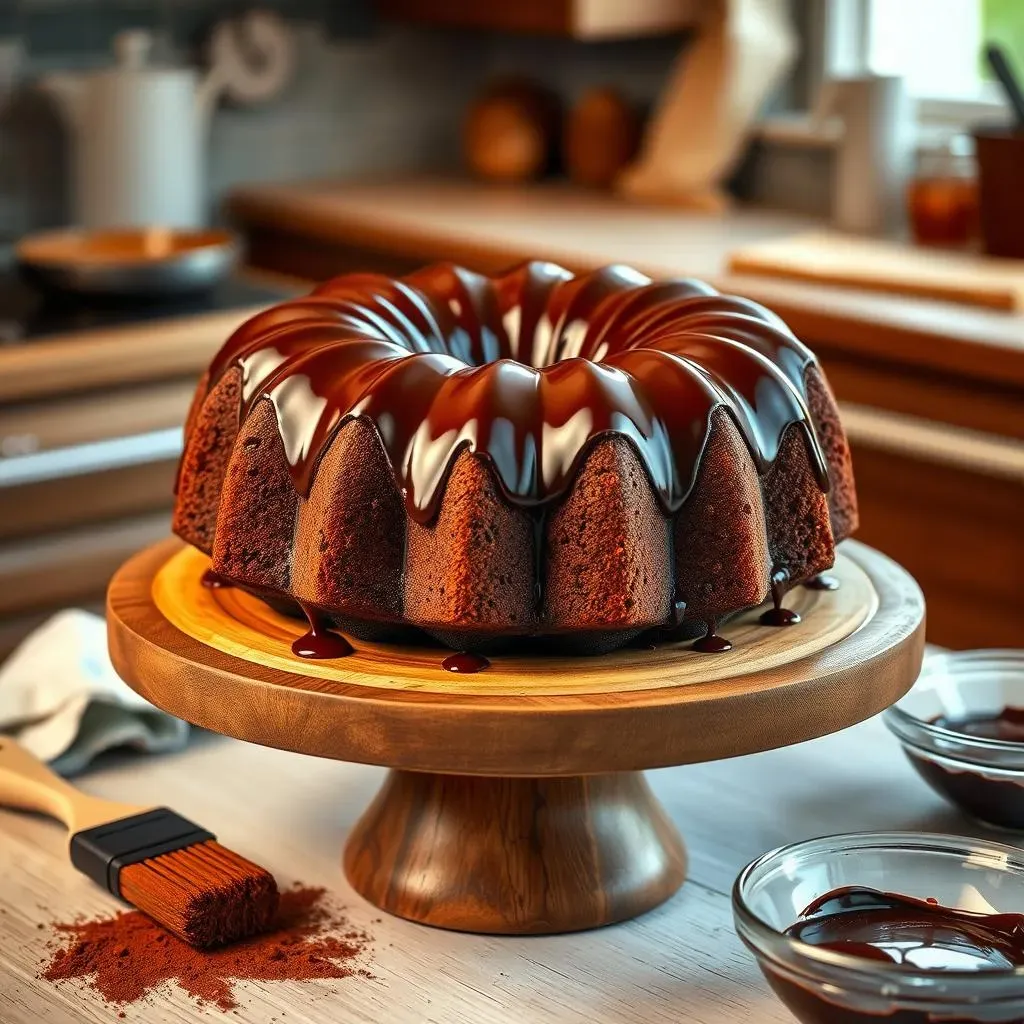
(222, 659)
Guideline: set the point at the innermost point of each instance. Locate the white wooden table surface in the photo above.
(680, 963)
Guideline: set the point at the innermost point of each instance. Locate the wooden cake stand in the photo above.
(516, 802)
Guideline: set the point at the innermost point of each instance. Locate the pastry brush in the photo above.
(164, 865)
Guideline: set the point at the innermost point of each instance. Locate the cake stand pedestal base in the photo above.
(515, 856)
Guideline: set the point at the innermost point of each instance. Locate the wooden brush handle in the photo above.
(28, 785)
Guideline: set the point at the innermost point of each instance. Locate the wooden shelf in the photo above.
(47, 506)
(77, 419)
(577, 19)
(115, 356)
(62, 569)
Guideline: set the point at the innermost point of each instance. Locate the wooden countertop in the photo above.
(126, 355)
(488, 228)
(114, 356)
(681, 962)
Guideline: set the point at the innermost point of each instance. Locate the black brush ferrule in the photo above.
(102, 851)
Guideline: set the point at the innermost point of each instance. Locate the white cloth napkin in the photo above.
(61, 698)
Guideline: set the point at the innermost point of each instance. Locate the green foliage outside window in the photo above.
(1003, 23)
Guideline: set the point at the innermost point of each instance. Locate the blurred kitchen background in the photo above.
(854, 164)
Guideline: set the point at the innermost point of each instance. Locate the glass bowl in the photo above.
(983, 777)
(821, 986)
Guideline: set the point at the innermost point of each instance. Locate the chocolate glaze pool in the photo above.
(917, 934)
(998, 802)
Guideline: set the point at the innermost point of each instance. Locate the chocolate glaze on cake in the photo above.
(777, 615)
(652, 368)
(534, 455)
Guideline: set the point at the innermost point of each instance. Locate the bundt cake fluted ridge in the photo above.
(532, 455)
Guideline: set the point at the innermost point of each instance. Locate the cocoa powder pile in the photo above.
(126, 956)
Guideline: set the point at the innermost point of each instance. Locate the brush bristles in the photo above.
(205, 894)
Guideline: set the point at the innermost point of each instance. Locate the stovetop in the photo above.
(27, 313)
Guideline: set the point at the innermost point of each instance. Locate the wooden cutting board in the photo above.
(829, 258)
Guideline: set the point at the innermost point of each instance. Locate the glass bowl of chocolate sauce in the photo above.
(889, 928)
(962, 728)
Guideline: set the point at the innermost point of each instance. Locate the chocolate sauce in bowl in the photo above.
(1006, 725)
(916, 934)
(810, 1007)
(993, 799)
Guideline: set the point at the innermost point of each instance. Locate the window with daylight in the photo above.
(935, 45)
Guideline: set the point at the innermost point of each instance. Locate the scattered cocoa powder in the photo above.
(126, 956)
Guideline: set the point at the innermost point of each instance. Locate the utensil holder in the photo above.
(1000, 154)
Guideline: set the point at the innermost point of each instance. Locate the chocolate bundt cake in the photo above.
(538, 455)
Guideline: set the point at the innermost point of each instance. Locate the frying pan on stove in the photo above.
(128, 261)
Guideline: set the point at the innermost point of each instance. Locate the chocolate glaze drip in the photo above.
(214, 581)
(319, 641)
(1007, 725)
(465, 663)
(917, 934)
(539, 521)
(528, 369)
(777, 615)
(823, 581)
(779, 584)
(711, 642)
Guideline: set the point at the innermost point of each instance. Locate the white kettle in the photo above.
(139, 138)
